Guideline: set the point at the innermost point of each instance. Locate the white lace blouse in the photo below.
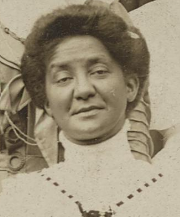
(104, 178)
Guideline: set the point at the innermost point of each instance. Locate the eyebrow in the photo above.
(63, 66)
(90, 61)
(96, 60)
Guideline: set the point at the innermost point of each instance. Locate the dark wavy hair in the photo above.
(126, 45)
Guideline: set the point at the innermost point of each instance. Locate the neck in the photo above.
(113, 151)
(93, 141)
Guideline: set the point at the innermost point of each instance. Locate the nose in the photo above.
(84, 89)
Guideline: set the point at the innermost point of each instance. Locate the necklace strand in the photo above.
(94, 213)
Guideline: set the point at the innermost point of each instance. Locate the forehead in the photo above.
(80, 48)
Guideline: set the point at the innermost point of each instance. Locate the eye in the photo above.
(100, 72)
(64, 80)
(62, 77)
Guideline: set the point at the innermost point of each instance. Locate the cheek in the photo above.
(59, 100)
(118, 97)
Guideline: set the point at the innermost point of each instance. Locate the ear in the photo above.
(48, 109)
(132, 83)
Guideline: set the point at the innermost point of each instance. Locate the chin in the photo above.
(89, 137)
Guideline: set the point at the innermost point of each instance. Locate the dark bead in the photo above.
(56, 184)
(120, 203)
(146, 184)
(48, 179)
(130, 196)
(108, 214)
(139, 190)
(93, 213)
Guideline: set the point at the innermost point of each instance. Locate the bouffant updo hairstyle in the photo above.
(125, 43)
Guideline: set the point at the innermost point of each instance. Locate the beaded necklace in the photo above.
(95, 213)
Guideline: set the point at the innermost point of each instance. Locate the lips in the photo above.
(86, 109)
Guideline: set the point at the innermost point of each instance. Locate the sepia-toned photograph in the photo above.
(89, 108)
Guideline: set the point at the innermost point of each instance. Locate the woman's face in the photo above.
(86, 90)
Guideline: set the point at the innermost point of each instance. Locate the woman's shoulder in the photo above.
(168, 159)
(28, 180)
(16, 192)
(37, 195)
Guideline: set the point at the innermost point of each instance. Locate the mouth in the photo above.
(87, 110)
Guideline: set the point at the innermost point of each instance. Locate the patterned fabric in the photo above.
(139, 135)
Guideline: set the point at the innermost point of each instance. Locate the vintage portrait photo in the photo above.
(89, 108)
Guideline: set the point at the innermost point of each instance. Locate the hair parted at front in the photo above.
(125, 44)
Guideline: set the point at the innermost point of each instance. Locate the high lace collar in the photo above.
(113, 151)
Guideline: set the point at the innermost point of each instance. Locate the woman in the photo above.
(82, 90)
(73, 69)
(45, 152)
(14, 98)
